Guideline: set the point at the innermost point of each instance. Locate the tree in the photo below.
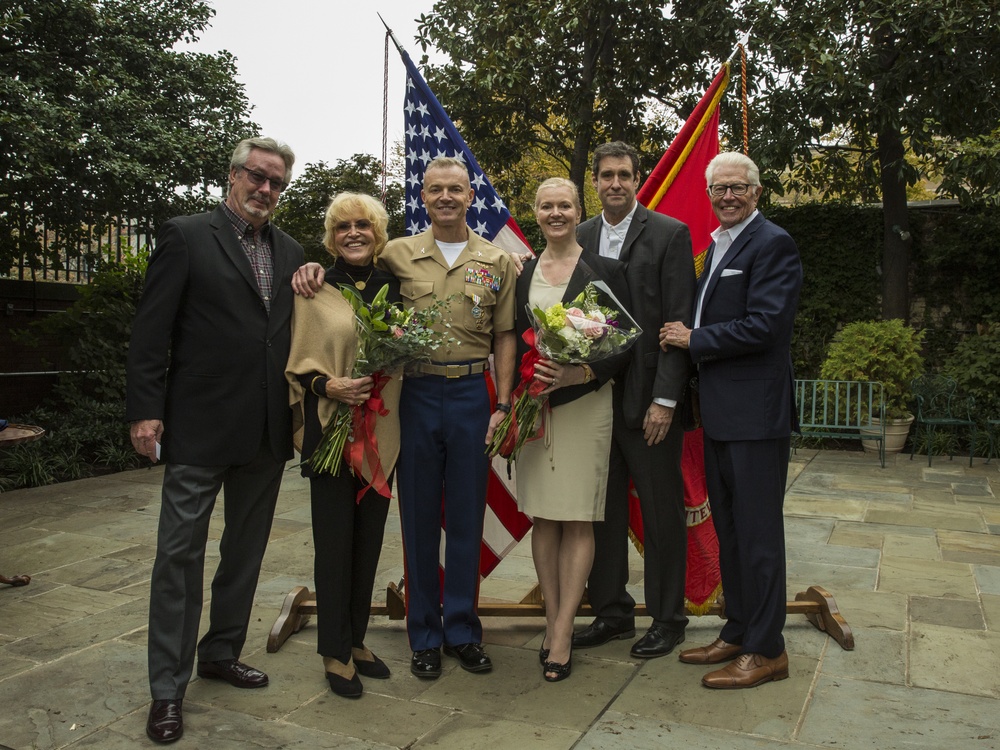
(560, 78)
(303, 205)
(104, 117)
(894, 78)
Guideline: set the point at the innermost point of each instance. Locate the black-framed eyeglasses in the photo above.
(259, 178)
(739, 188)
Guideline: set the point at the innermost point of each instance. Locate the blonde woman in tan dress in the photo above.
(562, 476)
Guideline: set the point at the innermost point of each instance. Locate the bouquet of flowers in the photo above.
(389, 337)
(584, 331)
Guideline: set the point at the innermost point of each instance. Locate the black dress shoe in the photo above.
(599, 632)
(426, 664)
(345, 688)
(471, 656)
(165, 723)
(658, 641)
(233, 671)
(376, 669)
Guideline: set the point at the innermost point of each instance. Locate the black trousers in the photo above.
(347, 536)
(656, 472)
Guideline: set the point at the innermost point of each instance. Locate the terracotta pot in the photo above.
(896, 431)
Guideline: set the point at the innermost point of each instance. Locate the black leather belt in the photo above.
(453, 371)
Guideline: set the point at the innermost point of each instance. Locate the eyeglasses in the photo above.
(361, 225)
(740, 188)
(259, 178)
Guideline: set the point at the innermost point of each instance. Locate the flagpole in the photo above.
(388, 31)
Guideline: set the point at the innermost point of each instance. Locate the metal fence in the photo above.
(76, 264)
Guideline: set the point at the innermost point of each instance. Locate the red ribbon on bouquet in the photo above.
(364, 444)
(528, 361)
(528, 384)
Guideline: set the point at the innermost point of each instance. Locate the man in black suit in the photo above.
(206, 380)
(646, 440)
(741, 344)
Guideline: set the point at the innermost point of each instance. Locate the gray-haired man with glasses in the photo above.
(216, 309)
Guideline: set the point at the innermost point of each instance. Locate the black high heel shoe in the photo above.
(558, 671)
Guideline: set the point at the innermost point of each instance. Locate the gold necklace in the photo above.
(359, 285)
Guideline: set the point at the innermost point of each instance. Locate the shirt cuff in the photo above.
(668, 402)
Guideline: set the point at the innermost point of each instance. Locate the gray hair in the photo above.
(243, 149)
(734, 159)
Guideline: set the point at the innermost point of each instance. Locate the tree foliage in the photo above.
(561, 78)
(846, 89)
(303, 205)
(104, 117)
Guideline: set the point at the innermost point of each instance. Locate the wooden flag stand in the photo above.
(816, 603)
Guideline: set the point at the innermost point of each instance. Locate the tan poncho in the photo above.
(324, 341)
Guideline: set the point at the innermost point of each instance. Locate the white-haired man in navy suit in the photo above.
(740, 341)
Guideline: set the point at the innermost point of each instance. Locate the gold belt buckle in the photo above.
(455, 371)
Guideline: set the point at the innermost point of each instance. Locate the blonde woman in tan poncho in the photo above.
(347, 531)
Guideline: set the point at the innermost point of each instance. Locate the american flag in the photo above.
(431, 133)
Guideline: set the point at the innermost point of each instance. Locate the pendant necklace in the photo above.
(359, 285)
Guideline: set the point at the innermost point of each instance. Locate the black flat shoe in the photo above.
(557, 671)
(345, 688)
(376, 669)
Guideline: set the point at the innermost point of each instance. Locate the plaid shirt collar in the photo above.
(242, 226)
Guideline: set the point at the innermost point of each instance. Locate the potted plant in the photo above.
(886, 351)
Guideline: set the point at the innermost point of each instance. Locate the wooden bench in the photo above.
(842, 409)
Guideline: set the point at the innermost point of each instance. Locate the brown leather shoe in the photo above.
(233, 671)
(716, 652)
(165, 723)
(749, 670)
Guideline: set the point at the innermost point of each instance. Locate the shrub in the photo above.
(883, 350)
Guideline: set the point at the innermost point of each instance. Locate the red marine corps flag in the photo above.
(676, 187)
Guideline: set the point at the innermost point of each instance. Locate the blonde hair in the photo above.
(348, 206)
(559, 182)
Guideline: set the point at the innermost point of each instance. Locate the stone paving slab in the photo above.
(910, 553)
(848, 713)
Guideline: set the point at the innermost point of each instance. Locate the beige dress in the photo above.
(563, 476)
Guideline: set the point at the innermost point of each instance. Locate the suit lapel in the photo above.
(731, 254)
(634, 230)
(589, 235)
(225, 235)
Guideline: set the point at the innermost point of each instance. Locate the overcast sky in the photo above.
(313, 71)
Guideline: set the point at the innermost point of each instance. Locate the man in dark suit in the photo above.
(741, 342)
(646, 440)
(206, 379)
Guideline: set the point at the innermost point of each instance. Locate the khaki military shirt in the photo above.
(481, 281)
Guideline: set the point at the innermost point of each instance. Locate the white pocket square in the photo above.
(731, 272)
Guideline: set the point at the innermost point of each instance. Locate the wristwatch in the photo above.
(588, 374)
(505, 408)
